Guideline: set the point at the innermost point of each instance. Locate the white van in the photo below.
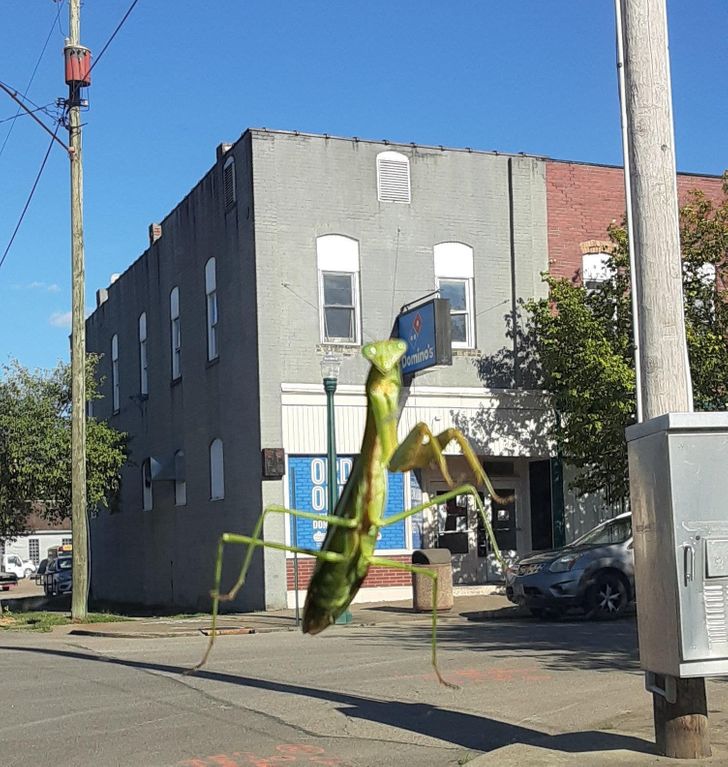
(12, 563)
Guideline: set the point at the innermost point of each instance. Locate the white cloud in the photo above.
(60, 320)
(48, 287)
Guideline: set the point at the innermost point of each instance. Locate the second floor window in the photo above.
(143, 362)
(338, 267)
(175, 333)
(115, 373)
(454, 280)
(211, 302)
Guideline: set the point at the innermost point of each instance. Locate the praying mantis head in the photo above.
(385, 355)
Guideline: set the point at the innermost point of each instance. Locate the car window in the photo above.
(65, 563)
(615, 531)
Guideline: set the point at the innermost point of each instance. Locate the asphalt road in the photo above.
(357, 697)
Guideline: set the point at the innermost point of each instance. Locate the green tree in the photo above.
(35, 447)
(583, 339)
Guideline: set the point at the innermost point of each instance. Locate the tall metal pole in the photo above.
(330, 389)
(79, 520)
(681, 728)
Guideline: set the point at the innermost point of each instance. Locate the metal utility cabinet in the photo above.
(678, 468)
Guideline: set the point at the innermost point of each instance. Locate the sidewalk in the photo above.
(468, 607)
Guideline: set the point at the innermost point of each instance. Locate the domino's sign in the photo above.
(426, 329)
(308, 491)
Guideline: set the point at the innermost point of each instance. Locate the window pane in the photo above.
(459, 334)
(338, 290)
(454, 291)
(339, 323)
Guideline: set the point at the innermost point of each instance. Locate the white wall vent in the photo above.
(393, 177)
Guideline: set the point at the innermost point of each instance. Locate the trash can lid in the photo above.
(431, 557)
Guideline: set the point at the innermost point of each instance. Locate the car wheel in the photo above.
(607, 597)
(28, 573)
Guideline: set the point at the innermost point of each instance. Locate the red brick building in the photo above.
(583, 200)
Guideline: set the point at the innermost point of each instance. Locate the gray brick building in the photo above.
(211, 341)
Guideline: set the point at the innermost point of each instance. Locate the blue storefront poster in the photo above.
(308, 491)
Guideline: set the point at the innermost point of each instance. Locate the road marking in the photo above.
(286, 753)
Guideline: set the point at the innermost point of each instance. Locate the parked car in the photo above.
(12, 563)
(58, 576)
(594, 573)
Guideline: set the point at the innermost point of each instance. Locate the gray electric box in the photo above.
(678, 469)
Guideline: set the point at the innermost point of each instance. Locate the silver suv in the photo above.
(594, 573)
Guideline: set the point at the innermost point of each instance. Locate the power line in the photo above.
(106, 45)
(32, 76)
(43, 109)
(30, 196)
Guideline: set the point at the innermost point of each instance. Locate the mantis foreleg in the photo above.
(255, 541)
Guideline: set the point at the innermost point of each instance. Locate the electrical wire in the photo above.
(30, 111)
(32, 76)
(106, 45)
(30, 196)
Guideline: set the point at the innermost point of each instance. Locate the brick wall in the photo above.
(378, 576)
(582, 200)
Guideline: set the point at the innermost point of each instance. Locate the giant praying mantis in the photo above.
(348, 550)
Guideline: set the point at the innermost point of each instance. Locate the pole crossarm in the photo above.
(15, 97)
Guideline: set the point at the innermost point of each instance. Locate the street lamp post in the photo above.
(330, 365)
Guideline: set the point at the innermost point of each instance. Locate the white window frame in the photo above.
(337, 254)
(115, 393)
(143, 356)
(180, 482)
(147, 494)
(595, 269)
(175, 333)
(453, 262)
(217, 470)
(211, 309)
(393, 189)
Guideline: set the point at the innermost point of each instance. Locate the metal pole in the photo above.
(330, 389)
(79, 520)
(628, 204)
(681, 727)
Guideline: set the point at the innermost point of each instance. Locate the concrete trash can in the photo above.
(439, 560)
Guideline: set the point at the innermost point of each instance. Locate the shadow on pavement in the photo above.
(562, 645)
(459, 728)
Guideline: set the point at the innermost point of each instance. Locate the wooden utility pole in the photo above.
(79, 519)
(681, 728)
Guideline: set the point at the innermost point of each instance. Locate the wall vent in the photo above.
(393, 177)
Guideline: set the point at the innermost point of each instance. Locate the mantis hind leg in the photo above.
(253, 542)
(462, 490)
(419, 569)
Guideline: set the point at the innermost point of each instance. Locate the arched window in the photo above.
(175, 333)
(393, 177)
(337, 258)
(180, 482)
(595, 268)
(211, 303)
(454, 279)
(217, 472)
(143, 361)
(115, 372)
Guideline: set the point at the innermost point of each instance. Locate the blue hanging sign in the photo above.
(426, 329)
(308, 491)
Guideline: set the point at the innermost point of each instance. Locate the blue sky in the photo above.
(534, 76)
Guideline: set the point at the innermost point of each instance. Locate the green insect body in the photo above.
(349, 546)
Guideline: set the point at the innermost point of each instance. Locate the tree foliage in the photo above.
(584, 343)
(35, 447)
